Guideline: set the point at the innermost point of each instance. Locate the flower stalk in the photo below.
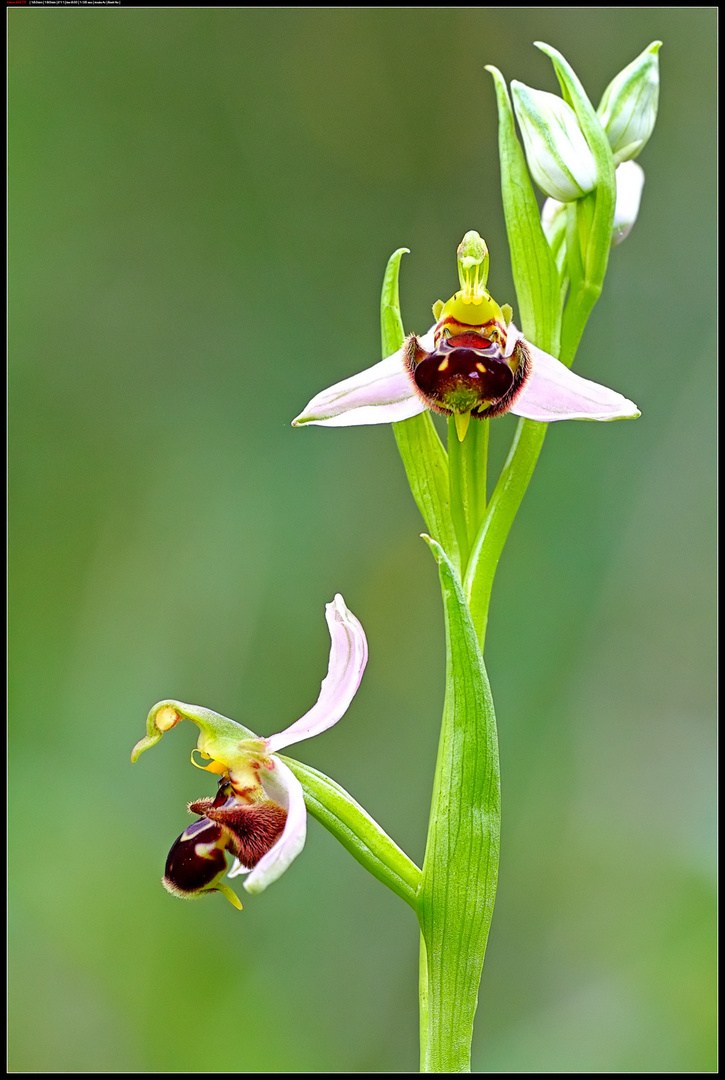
(357, 831)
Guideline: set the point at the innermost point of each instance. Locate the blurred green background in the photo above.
(202, 204)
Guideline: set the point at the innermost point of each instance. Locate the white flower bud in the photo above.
(559, 157)
(630, 181)
(628, 108)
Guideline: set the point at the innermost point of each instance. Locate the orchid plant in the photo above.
(473, 365)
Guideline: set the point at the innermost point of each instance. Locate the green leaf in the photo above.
(357, 831)
(534, 269)
(426, 466)
(424, 458)
(460, 871)
(391, 321)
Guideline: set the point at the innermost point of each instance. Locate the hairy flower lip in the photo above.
(467, 372)
(384, 394)
(196, 859)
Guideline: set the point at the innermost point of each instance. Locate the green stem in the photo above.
(460, 871)
(458, 479)
(478, 448)
(458, 885)
(500, 514)
(467, 462)
(576, 313)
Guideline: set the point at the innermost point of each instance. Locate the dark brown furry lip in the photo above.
(467, 373)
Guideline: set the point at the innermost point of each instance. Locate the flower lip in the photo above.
(476, 372)
(466, 372)
(196, 859)
(253, 829)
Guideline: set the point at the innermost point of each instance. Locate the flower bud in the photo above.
(630, 181)
(628, 108)
(559, 157)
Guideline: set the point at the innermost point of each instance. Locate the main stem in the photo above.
(467, 461)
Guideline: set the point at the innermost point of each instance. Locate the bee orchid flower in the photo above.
(473, 362)
(258, 814)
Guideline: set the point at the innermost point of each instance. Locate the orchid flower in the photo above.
(258, 814)
(473, 362)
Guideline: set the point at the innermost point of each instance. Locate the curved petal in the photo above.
(382, 394)
(285, 789)
(553, 392)
(348, 657)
